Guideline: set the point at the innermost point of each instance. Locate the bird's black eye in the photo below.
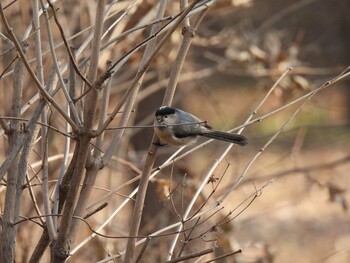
(165, 116)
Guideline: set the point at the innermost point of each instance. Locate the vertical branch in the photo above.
(45, 175)
(37, 38)
(72, 79)
(137, 213)
(152, 154)
(91, 99)
(104, 112)
(63, 191)
(92, 170)
(64, 165)
(61, 247)
(44, 130)
(22, 171)
(188, 33)
(57, 197)
(15, 178)
(8, 236)
(150, 48)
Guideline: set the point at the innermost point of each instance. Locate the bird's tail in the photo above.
(225, 136)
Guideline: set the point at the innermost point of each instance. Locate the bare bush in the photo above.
(81, 173)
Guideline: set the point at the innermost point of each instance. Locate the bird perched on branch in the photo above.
(176, 127)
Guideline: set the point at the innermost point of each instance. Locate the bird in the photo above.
(176, 127)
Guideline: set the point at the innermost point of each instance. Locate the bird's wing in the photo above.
(189, 126)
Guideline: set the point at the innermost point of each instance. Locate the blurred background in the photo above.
(240, 49)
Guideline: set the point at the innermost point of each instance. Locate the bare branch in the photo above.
(55, 62)
(70, 54)
(31, 73)
(192, 255)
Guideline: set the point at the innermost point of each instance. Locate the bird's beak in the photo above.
(159, 119)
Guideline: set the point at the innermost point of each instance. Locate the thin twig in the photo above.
(34, 201)
(303, 170)
(187, 236)
(4, 125)
(8, 66)
(192, 255)
(55, 62)
(307, 99)
(71, 57)
(143, 249)
(224, 256)
(44, 129)
(40, 123)
(96, 210)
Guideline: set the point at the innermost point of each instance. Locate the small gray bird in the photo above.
(176, 127)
